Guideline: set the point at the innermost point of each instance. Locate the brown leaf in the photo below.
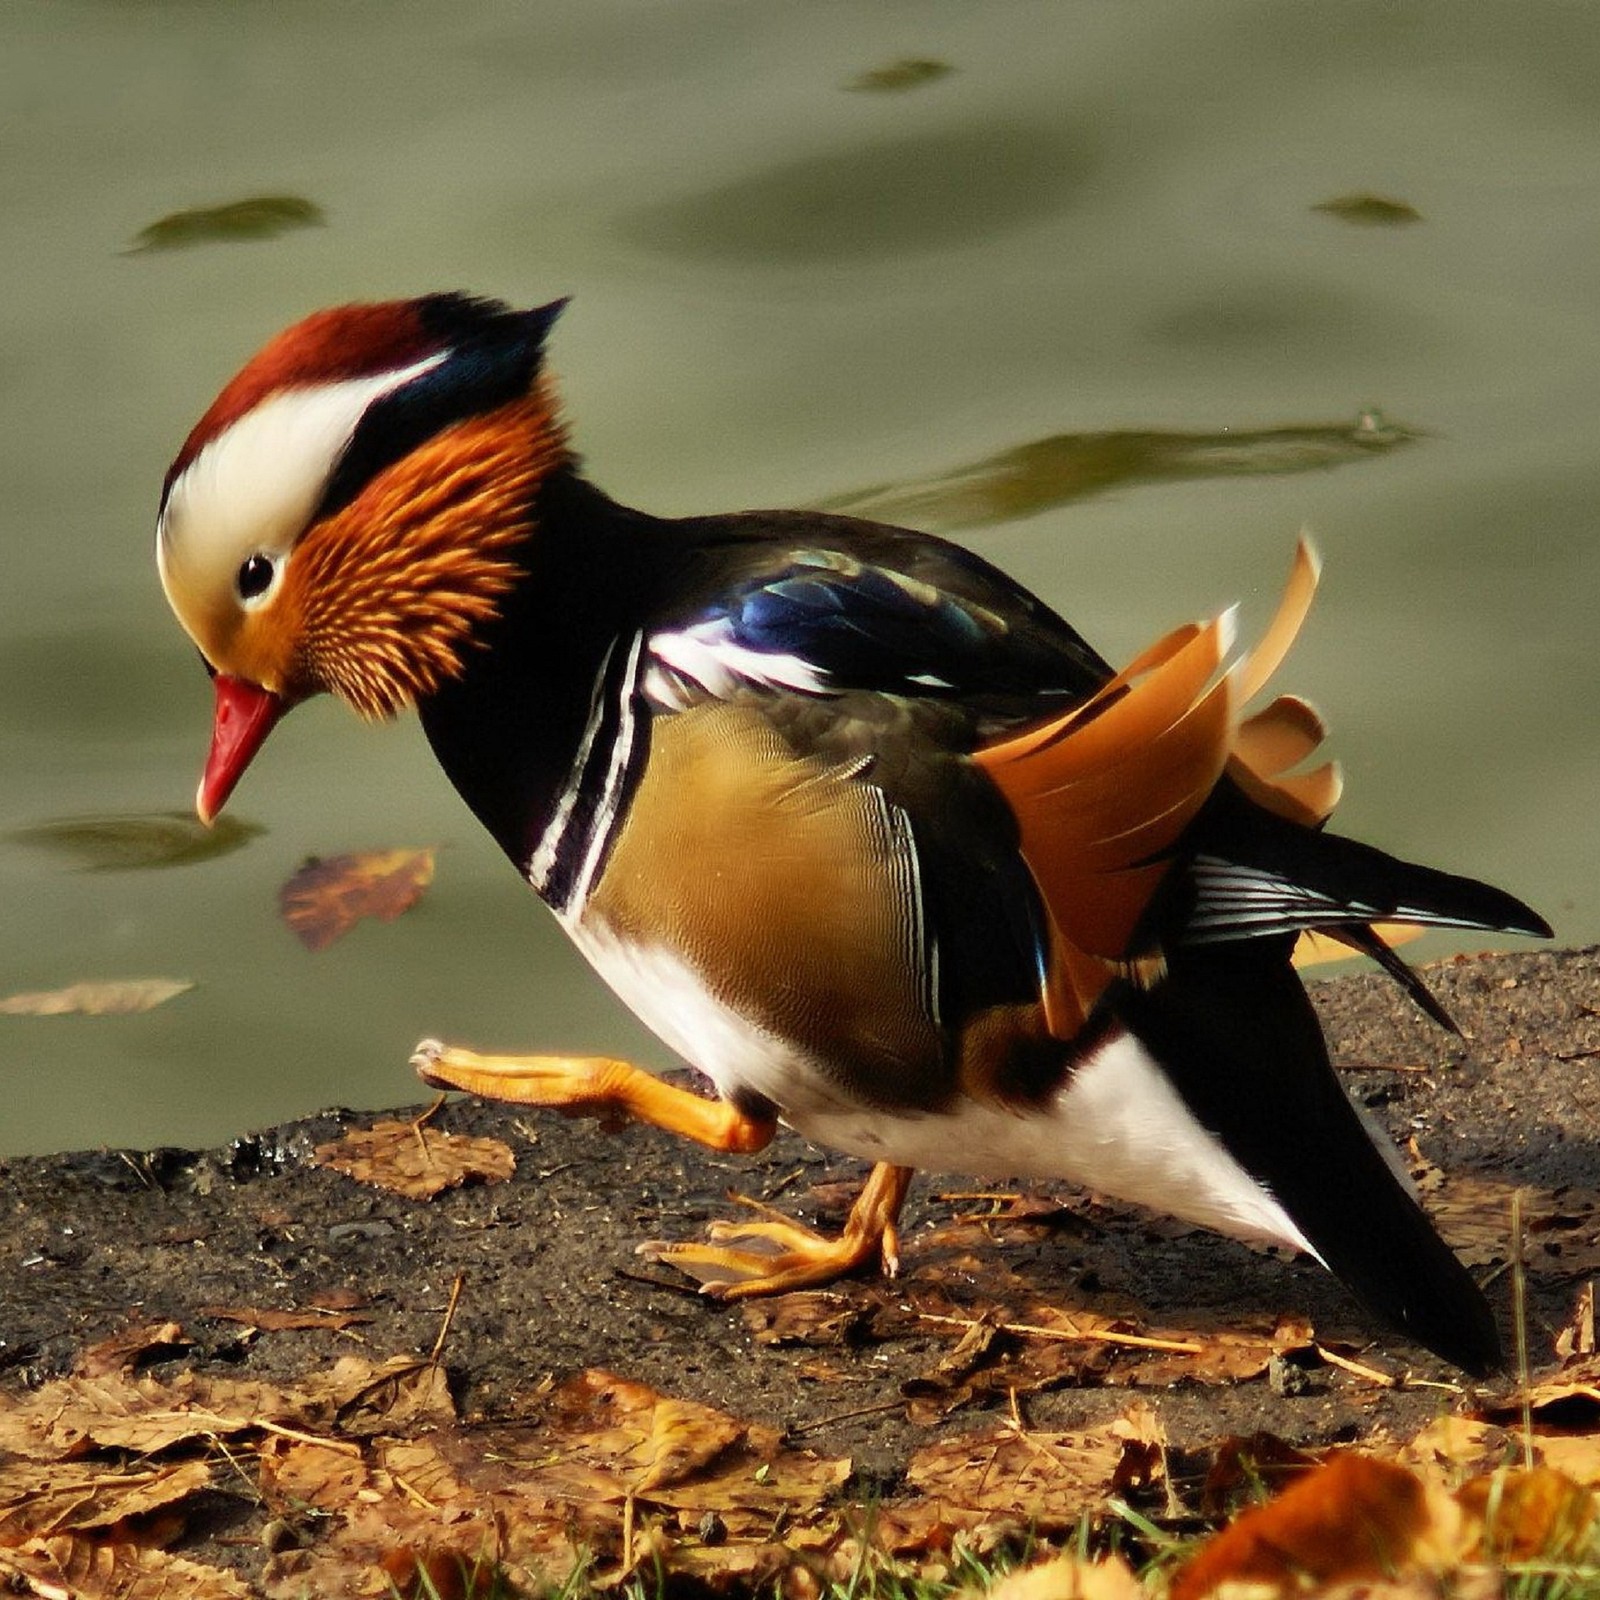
(433, 1573)
(325, 899)
(1068, 1578)
(1532, 1515)
(107, 997)
(72, 1567)
(62, 1497)
(682, 1442)
(1576, 1337)
(1568, 1398)
(1047, 1480)
(1241, 1468)
(122, 1351)
(297, 1473)
(1046, 472)
(414, 1161)
(606, 1440)
(120, 1412)
(269, 1320)
(1352, 1518)
(388, 1398)
(817, 1317)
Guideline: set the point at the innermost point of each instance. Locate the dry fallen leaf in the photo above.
(71, 1416)
(74, 1496)
(122, 1351)
(107, 997)
(72, 1567)
(1539, 1514)
(414, 1161)
(269, 1320)
(329, 895)
(1067, 1578)
(1045, 1480)
(1351, 1518)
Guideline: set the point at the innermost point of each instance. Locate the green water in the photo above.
(794, 282)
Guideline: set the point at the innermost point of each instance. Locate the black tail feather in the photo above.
(1253, 875)
(1370, 943)
(1232, 1027)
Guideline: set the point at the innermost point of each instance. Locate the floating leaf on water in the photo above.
(132, 842)
(261, 217)
(326, 898)
(1050, 472)
(1369, 210)
(910, 72)
(110, 997)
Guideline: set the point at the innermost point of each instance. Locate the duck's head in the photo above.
(352, 507)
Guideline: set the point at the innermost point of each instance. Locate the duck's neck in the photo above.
(542, 681)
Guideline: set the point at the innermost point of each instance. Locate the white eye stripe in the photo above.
(252, 489)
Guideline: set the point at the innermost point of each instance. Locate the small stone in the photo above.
(1287, 1379)
(351, 1232)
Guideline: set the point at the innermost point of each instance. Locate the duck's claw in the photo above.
(743, 1260)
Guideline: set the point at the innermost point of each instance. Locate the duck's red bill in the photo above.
(246, 713)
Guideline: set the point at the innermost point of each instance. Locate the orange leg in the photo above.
(741, 1259)
(745, 1259)
(593, 1086)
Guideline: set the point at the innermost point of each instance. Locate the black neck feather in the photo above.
(506, 731)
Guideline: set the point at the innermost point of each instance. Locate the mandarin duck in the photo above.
(857, 825)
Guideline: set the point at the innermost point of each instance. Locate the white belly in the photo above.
(1117, 1126)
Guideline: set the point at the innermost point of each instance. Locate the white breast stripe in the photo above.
(605, 814)
(537, 870)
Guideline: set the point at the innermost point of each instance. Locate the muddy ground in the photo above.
(550, 1281)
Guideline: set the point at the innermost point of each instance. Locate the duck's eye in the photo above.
(254, 576)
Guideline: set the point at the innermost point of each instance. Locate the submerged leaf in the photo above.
(260, 217)
(109, 997)
(1369, 210)
(1049, 472)
(910, 72)
(326, 898)
(114, 843)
